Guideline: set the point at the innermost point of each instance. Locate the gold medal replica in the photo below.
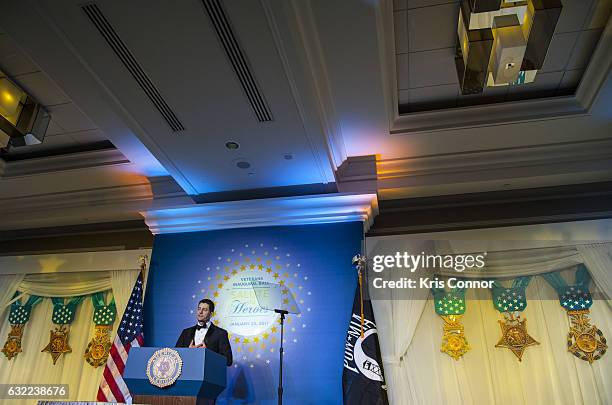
(454, 342)
(99, 348)
(12, 346)
(58, 343)
(584, 340)
(515, 336)
(450, 305)
(511, 302)
(18, 318)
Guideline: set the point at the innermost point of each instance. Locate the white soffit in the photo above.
(312, 209)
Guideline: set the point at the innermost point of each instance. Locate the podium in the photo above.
(202, 379)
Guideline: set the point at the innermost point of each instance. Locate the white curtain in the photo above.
(410, 333)
(397, 313)
(8, 286)
(32, 366)
(122, 282)
(598, 259)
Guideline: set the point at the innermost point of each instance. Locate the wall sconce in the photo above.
(503, 42)
(23, 121)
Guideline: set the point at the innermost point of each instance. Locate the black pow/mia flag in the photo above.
(362, 378)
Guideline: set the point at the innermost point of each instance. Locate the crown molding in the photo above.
(357, 174)
(72, 161)
(568, 152)
(303, 210)
(489, 114)
(592, 158)
(168, 209)
(96, 204)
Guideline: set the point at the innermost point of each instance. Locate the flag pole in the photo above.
(143, 264)
(359, 262)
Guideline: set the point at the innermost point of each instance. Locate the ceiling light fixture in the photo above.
(231, 145)
(503, 42)
(23, 121)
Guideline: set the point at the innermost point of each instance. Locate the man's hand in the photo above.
(193, 345)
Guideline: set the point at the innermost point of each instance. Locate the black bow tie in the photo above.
(198, 327)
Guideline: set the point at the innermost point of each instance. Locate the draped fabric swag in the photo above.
(32, 366)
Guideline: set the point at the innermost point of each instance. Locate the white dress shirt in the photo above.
(198, 339)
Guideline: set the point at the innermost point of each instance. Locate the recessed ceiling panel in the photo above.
(426, 50)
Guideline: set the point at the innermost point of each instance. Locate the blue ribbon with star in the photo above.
(449, 302)
(20, 314)
(64, 313)
(575, 297)
(511, 299)
(103, 314)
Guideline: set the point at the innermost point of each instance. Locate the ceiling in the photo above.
(69, 129)
(184, 61)
(144, 96)
(425, 40)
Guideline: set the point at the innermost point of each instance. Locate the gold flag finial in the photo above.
(359, 262)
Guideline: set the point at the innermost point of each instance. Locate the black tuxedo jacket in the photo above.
(216, 340)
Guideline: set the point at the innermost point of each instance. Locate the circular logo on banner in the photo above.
(243, 283)
(242, 313)
(164, 367)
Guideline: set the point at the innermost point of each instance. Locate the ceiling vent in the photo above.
(237, 59)
(113, 40)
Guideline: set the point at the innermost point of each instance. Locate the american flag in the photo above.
(129, 334)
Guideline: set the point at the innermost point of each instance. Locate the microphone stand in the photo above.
(282, 313)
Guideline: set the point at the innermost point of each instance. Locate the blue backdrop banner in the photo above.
(312, 264)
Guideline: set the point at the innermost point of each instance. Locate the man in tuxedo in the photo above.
(205, 333)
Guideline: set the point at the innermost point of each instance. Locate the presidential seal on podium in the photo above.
(164, 367)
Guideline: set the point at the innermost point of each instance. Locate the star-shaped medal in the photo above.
(58, 343)
(515, 337)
